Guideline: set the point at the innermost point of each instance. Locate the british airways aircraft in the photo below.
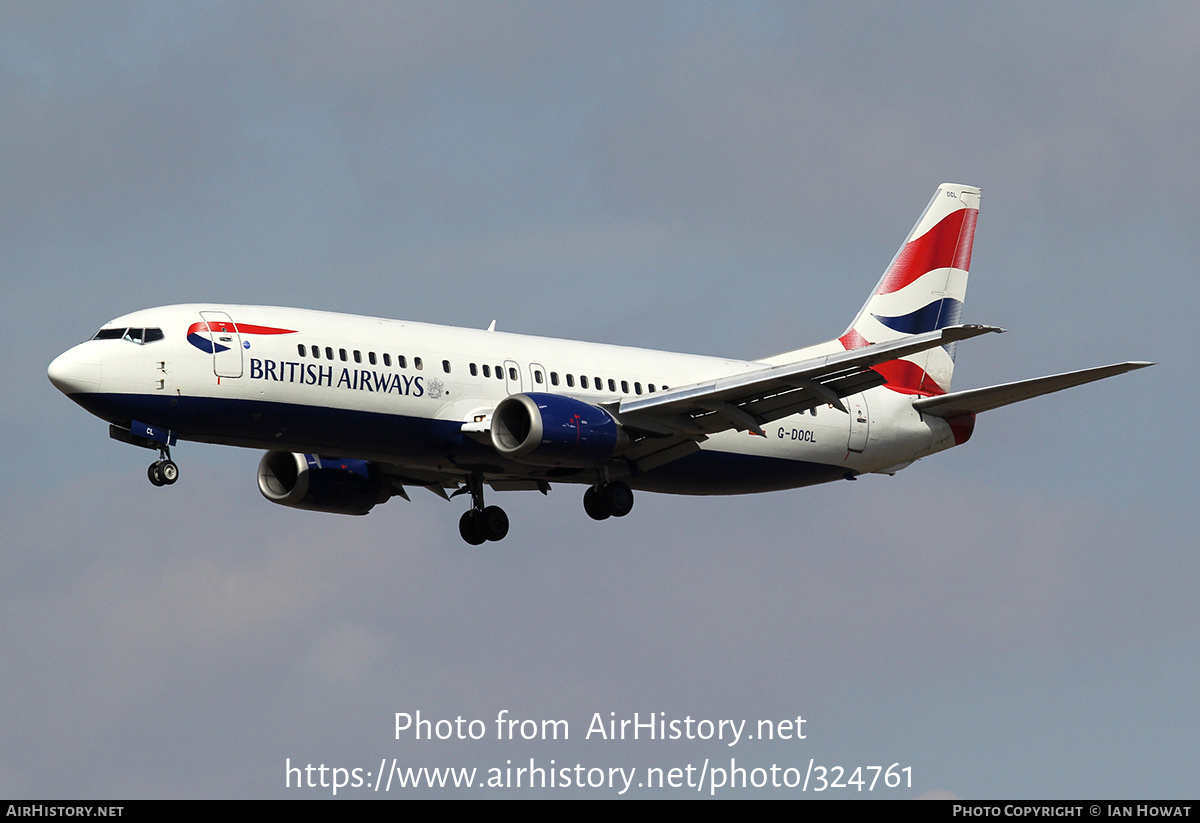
(354, 410)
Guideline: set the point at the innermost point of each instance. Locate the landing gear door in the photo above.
(860, 423)
(226, 343)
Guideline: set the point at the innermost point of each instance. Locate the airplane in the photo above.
(355, 410)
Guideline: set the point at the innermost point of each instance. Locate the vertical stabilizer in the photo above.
(922, 290)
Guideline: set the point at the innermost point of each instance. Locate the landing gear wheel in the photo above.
(617, 498)
(470, 526)
(168, 471)
(494, 522)
(481, 523)
(155, 475)
(593, 504)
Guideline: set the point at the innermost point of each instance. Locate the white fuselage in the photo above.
(398, 393)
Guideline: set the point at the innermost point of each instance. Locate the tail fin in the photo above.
(922, 290)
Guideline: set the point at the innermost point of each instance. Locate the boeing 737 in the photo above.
(355, 410)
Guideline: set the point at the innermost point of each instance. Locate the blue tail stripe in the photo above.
(936, 315)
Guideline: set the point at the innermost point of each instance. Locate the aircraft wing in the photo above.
(750, 400)
(974, 401)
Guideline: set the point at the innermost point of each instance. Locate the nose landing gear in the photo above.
(163, 471)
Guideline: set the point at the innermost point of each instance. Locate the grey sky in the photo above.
(1012, 618)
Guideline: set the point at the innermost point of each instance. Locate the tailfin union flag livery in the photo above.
(355, 410)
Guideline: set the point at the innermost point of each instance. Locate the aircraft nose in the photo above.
(75, 372)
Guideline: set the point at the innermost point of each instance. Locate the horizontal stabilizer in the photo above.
(974, 401)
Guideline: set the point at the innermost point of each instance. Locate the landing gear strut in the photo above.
(163, 472)
(481, 523)
(606, 500)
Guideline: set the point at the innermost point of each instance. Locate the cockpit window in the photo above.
(139, 336)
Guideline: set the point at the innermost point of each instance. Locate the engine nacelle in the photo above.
(552, 430)
(306, 481)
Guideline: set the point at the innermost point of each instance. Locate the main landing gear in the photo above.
(163, 472)
(606, 500)
(481, 523)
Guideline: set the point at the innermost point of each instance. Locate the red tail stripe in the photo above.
(852, 340)
(938, 248)
(907, 377)
(961, 427)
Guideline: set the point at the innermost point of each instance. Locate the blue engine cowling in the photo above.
(552, 430)
(306, 481)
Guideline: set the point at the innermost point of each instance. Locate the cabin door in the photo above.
(226, 343)
(512, 377)
(860, 422)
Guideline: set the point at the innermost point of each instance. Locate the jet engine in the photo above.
(552, 430)
(306, 481)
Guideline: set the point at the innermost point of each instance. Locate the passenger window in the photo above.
(474, 370)
(300, 349)
(357, 356)
(387, 360)
(499, 373)
(417, 364)
(637, 387)
(328, 352)
(402, 361)
(599, 384)
(371, 358)
(624, 387)
(487, 370)
(446, 366)
(537, 376)
(583, 383)
(512, 373)
(650, 386)
(342, 354)
(570, 381)
(553, 378)
(612, 384)
(316, 352)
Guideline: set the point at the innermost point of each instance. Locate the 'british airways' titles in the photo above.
(313, 374)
